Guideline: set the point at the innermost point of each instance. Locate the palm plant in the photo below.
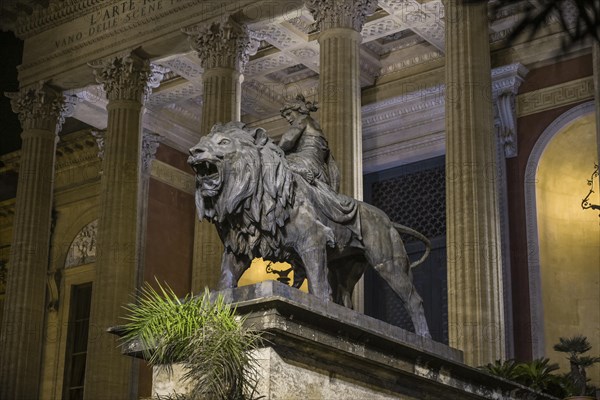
(504, 369)
(537, 374)
(206, 337)
(574, 347)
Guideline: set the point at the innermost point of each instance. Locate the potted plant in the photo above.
(575, 347)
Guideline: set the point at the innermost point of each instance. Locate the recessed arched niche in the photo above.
(568, 237)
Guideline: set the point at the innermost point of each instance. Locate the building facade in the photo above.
(484, 146)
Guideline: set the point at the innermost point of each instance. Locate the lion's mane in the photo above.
(257, 193)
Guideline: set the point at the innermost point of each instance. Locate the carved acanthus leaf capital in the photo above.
(128, 77)
(223, 44)
(341, 13)
(40, 107)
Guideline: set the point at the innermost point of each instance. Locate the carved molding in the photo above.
(99, 135)
(172, 176)
(74, 149)
(555, 96)
(57, 13)
(150, 143)
(409, 62)
(279, 37)
(268, 64)
(223, 44)
(40, 107)
(380, 28)
(506, 81)
(183, 66)
(175, 93)
(341, 13)
(424, 18)
(128, 77)
(506, 123)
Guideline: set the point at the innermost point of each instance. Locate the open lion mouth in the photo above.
(205, 168)
(208, 177)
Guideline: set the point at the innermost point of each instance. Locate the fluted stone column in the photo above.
(127, 82)
(340, 22)
(41, 112)
(223, 49)
(475, 291)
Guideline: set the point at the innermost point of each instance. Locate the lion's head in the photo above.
(243, 184)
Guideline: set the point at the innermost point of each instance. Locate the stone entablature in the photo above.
(76, 160)
(410, 127)
(154, 25)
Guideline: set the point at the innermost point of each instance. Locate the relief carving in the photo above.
(128, 77)
(150, 143)
(223, 44)
(341, 13)
(83, 248)
(40, 107)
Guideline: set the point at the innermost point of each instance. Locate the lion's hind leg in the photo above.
(393, 265)
(401, 284)
(343, 276)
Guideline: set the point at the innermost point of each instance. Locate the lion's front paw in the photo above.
(310, 177)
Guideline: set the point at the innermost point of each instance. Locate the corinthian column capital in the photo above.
(128, 77)
(341, 13)
(40, 107)
(223, 44)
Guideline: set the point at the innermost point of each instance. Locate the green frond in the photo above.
(578, 344)
(206, 337)
(504, 369)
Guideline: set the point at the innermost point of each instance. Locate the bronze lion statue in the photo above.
(262, 209)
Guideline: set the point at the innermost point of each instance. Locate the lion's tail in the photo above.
(405, 229)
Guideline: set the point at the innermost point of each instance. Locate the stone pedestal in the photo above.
(318, 350)
(40, 112)
(475, 290)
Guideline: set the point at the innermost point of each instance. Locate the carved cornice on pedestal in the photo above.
(505, 85)
(40, 107)
(223, 44)
(341, 13)
(128, 77)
